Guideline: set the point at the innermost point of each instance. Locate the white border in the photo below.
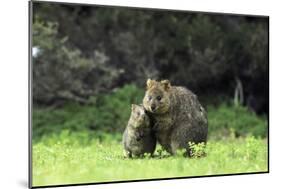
(14, 92)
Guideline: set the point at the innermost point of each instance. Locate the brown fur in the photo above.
(177, 115)
(138, 137)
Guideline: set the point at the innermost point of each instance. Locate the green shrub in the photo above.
(61, 72)
(114, 109)
(106, 113)
(109, 113)
(197, 150)
(226, 119)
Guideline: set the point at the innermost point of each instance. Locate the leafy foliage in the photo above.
(110, 113)
(105, 113)
(61, 73)
(226, 119)
(204, 52)
(197, 150)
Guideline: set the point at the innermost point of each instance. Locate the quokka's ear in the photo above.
(150, 83)
(133, 107)
(166, 84)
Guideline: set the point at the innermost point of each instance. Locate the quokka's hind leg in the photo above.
(174, 147)
(183, 150)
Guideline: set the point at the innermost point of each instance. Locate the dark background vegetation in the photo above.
(93, 62)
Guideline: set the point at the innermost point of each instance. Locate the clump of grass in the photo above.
(197, 150)
(252, 146)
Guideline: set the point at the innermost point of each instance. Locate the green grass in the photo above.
(82, 143)
(69, 158)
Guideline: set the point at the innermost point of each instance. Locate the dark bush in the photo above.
(96, 49)
(62, 73)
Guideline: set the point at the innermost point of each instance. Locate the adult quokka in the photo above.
(177, 116)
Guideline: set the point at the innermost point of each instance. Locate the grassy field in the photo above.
(80, 158)
(82, 143)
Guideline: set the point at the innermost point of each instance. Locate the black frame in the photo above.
(30, 102)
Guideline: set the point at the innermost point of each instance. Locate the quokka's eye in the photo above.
(149, 97)
(159, 98)
(138, 113)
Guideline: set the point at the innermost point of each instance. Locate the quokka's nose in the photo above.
(153, 107)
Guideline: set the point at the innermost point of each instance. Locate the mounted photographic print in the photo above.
(121, 94)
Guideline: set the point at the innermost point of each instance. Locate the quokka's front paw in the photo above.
(127, 154)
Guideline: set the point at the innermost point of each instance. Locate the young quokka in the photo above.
(138, 137)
